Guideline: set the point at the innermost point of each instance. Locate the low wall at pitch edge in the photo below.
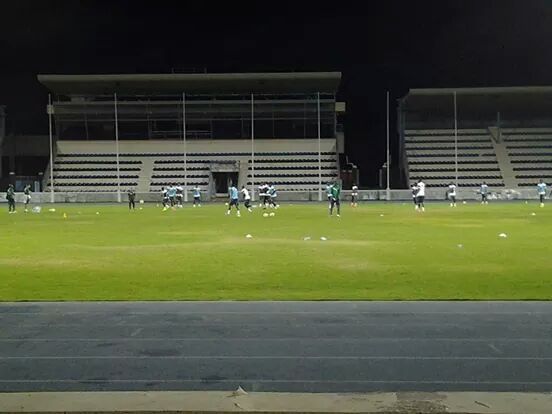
(293, 196)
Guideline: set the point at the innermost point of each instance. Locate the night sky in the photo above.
(393, 45)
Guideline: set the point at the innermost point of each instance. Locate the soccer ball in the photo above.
(265, 214)
(271, 214)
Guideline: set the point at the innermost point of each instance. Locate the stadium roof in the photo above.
(497, 99)
(197, 83)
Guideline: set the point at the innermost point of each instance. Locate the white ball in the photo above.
(265, 214)
(323, 238)
(248, 236)
(97, 212)
(306, 238)
(503, 235)
(271, 214)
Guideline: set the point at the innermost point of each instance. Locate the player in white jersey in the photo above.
(179, 195)
(484, 190)
(541, 189)
(420, 195)
(354, 196)
(246, 198)
(451, 194)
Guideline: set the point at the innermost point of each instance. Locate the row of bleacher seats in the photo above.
(87, 170)
(431, 156)
(529, 150)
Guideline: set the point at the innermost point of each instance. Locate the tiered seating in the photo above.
(97, 173)
(530, 152)
(431, 157)
(292, 165)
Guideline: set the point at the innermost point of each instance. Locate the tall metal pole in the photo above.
(319, 149)
(50, 111)
(388, 162)
(455, 142)
(117, 148)
(252, 148)
(185, 147)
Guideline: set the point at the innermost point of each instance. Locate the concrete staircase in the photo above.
(506, 168)
(145, 175)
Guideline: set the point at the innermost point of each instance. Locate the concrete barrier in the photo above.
(432, 194)
(232, 402)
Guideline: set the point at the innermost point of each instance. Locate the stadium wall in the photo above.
(194, 146)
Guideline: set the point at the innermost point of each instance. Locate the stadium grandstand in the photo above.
(116, 132)
(502, 136)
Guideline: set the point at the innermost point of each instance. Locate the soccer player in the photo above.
(483, 190)
(452, 194)
(179, 195)
(246, 198)
(335, 200)
(263, 194)
(354, 195)
(10, 196)
(420, 195)
(172, 195)
(131, 198)
(165, 198)
(234, 200)
(197, 196)
(414, 190)
(329, 192)
(541, 189)
(27, 192)
(272, 194)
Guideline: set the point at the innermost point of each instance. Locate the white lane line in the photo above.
(278, 357)
(291, 338)
(291, 381)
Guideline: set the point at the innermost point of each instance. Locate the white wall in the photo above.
(192, 146)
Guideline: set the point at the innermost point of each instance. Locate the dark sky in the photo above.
(378, 45)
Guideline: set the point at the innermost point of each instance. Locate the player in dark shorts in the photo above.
(10, 196)
(335, 200)
(414, 190)
(234, 200)
(131, 199)
(354, 196)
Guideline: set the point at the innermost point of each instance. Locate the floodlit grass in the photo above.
(202, 254)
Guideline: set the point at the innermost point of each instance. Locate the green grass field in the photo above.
(202, 254)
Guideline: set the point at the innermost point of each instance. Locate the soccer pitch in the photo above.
(376, 251)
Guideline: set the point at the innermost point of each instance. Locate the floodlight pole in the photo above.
(252, 147)
(455, 141)
(319, 149)
(117, 148)
(185, 147)
(50, 110)
(388, 195)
